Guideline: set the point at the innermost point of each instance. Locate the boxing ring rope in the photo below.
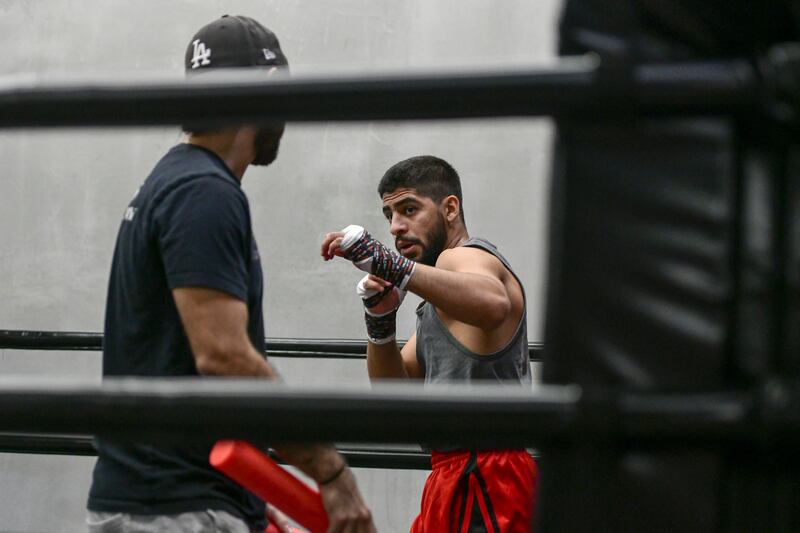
(394, 457)
(579, 87)
(189, 409)
(276, 347)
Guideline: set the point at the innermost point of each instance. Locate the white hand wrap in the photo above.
(381, 324)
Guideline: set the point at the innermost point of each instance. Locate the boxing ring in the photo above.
(59, 416)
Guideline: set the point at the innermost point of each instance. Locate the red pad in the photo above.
(255, 471)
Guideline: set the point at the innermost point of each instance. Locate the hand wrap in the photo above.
(381, 321)
(373, 257)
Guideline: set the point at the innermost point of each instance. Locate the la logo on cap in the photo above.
(200, 54)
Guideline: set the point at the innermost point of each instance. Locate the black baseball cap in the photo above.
(231, 42)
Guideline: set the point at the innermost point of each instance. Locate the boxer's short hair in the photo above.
(429, 175)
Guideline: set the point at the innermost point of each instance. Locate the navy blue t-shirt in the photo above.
(187, 226)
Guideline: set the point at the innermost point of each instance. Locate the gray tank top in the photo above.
(444, 359)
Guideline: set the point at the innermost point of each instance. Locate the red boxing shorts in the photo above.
(485, 491)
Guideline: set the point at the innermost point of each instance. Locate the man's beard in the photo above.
(267, 142)
(437, 239)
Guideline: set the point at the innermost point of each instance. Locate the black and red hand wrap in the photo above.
(381, 329)
(381, 320)
(372, 256)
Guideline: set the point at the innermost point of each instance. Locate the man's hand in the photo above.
(281, 521)
(379, 296)
(332, 245)
(355, 244)
(381, 300)
(337, 486)
(344, 505)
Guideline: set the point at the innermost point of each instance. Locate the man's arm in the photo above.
(216, 325)
(387, 361)
(467, 285)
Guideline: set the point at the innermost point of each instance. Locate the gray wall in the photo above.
(62, 193)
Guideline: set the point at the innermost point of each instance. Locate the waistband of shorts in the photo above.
(441, 459)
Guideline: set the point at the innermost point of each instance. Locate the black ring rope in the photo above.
(577, 87)
(180, 410)
(276, 347)
(395, 457)
(386, 457)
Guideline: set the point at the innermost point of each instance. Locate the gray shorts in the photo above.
(195, 522)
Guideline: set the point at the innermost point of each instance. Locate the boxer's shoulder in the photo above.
(467, 258)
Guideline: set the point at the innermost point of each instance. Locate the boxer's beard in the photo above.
(267, 142)
(437, 239)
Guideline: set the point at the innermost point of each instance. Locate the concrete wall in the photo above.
(62, 193)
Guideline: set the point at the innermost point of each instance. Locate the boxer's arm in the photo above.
(465, 284)
(384, 358)
(216, 326)
(387, 361)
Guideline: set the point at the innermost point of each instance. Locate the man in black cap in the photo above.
(185, 299)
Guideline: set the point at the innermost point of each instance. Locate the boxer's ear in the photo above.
(452, 208)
